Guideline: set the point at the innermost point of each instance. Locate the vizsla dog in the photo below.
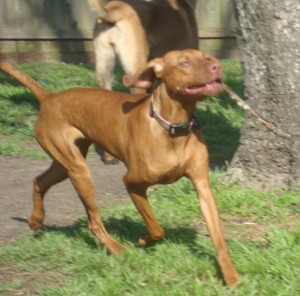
(156, 136)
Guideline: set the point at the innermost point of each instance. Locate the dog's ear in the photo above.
(147, 76)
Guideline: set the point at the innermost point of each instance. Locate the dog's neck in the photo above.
(170, 107)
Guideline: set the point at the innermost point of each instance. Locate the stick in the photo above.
(241, 103)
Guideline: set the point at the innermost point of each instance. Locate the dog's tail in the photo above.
(112, 12)
(97, 8)
(39, 92)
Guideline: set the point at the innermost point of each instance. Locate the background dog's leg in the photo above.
(132, 50)
(105, 61)
(211, 217)
(105, 66)
(109, 159)
(140, 200)
(55, 174)
(132, 64)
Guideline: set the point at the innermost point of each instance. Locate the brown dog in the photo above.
(154, 135)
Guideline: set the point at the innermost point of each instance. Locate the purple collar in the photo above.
(173, 128)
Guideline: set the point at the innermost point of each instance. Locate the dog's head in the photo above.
(185, 73)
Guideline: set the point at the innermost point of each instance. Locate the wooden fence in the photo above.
(61, 30)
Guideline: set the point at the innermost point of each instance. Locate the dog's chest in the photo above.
(157, 165)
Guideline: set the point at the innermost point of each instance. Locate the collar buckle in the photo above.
(180, 128)
(173, 128)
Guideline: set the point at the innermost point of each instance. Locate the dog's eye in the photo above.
(183, 64)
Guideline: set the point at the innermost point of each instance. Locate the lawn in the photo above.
(262, 228)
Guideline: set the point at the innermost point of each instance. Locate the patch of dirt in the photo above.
(26, 280)
(243, 228)
(62, 204)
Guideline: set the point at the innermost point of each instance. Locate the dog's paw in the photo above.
(146, 240)
(111, 161)
(34, 224)
(114, 247)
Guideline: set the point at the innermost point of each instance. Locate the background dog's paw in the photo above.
(111, 161)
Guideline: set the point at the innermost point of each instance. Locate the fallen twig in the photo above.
(241, 103)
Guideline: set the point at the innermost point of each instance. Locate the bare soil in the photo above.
(62, 205)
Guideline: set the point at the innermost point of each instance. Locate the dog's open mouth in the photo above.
(211, 88)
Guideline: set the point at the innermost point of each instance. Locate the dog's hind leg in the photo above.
(133, 55)
(139, 197)
(55, 174)
(105, 65)
(80, 176)
(131, 46)
(105, 57)
(62, 147)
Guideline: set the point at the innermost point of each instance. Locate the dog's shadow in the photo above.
(127, 229)
(124, 228)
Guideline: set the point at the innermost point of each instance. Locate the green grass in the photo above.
(220, 118)
(261, 230)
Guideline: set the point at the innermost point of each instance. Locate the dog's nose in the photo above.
(215, 67)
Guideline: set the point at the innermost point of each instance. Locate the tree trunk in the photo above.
(269, 40)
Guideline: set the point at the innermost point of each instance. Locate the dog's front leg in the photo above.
(211, 217)
(139, 197)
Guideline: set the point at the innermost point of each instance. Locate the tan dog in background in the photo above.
(156, 136)
(135, 31)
